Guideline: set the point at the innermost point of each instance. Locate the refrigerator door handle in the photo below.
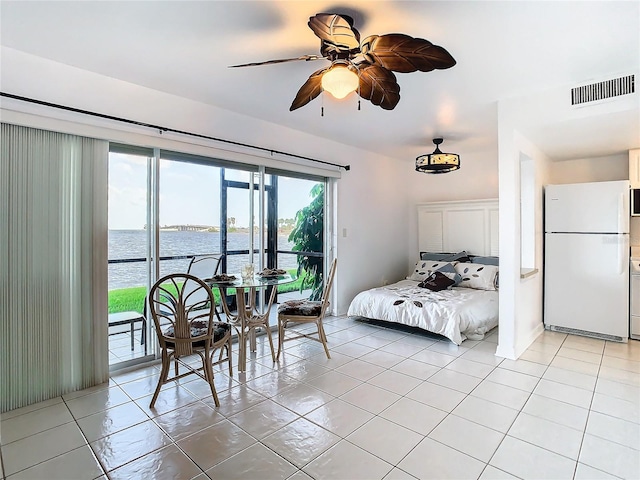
(622, 213)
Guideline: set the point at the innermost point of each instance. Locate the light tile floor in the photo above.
(389, 404)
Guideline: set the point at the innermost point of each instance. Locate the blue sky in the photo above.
(189, 194)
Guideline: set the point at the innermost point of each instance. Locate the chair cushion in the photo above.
(199, 327)
(305, 308)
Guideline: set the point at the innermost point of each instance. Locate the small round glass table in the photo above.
(248, 317)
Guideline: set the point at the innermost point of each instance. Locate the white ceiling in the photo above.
(503, 50)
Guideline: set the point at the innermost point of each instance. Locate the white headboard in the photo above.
(470, 225)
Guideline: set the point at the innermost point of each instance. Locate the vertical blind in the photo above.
(53, 264)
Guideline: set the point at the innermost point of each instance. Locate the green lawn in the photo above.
(132, 299)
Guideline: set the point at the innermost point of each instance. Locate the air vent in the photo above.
(602, 90)
(574, 331)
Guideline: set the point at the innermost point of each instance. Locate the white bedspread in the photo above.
(457, 314)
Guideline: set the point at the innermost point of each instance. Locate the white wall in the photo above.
(372, 204)
(372, 207)
(596, 169)
(477, 179)
(520, 298)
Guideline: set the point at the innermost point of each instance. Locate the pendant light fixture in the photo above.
(438, 162)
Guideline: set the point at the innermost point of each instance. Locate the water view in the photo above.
(126, 244)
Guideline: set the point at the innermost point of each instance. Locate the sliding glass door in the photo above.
(167, 207)
(129, 255)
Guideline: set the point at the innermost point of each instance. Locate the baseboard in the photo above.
(526, 342)
(513, 352)
(504, 352)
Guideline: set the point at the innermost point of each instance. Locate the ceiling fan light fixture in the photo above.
(438, 162)
(339, 80)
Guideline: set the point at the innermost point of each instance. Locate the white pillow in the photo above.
(478, 276)
(424, 268)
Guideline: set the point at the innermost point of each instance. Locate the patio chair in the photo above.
(306, 311)
(186, 326)
(130, 318)
(205, 267)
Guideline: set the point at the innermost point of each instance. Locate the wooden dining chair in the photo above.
(306, 311)
(183, 310)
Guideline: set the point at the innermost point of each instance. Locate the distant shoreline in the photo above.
(200, 229)
(132, 244)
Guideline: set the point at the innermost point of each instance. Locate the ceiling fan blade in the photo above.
(310, 90)
(281, 60)
(378, 85)
(402, 53)
(335, 30)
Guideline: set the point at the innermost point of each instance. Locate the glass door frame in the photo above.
(151, 260)
(265, 246)
(270, 246)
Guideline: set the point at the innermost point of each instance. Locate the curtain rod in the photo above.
(167, 129)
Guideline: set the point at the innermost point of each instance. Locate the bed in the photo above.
(465, 306)
(457, 312)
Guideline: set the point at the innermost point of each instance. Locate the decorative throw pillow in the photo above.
(449, 270)
(445, 257)
(439, 257)
(477, 275)
(458, 257)
(437, 281)
(424, 268)
(485, 260)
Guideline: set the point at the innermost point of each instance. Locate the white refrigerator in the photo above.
(586, 259)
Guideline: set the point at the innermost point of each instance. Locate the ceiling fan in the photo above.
(366, 67)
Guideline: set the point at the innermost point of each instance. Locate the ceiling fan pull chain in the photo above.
(322, 106)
